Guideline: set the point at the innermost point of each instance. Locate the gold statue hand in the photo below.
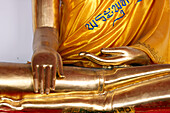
(118, 56)
(46, 63)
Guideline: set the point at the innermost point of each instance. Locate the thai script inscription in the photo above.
(115, 8)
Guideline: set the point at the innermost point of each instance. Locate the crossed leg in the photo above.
(91, 89)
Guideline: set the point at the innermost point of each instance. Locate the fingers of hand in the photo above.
(117, 60)
(83, 54)
(36, 79)
(42, 78)
(48, 80)
(53, 77)
(93, 58)
(113, 51)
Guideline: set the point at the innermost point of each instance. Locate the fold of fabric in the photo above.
(90, 25)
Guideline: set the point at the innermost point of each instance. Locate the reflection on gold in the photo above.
(96, 89)
(141, 101)
(129, 88)
(45, 13)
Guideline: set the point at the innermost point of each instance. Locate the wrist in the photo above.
(45, 37)
(44, 49)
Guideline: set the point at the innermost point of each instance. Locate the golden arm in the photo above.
(45, 13)
(46, 16)
(46, 61)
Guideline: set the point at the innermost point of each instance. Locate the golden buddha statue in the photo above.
(107, 39)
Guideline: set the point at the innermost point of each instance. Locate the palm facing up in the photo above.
(118, 56)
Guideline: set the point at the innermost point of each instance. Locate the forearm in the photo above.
(45, 13)
(45, 37)
(46, 23)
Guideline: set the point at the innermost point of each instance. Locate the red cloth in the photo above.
(155, 107)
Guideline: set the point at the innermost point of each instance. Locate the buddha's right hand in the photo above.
(46, 62)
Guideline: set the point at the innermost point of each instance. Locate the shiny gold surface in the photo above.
(45, 13)
(46, 61)
(118, 56)
(82, 87)
(145, 26)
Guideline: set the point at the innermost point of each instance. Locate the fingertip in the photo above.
(48, 80)
(47, 91)
(42, 92)
(35, 89)
(35, 76)
(36, 86)
(60, 71)
(53, 89)
(62, 76)
(54, 73)
(102, 50)
(41, 73)
(83, 53)
(42, 89)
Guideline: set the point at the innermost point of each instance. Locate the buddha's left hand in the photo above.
(118, 56)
